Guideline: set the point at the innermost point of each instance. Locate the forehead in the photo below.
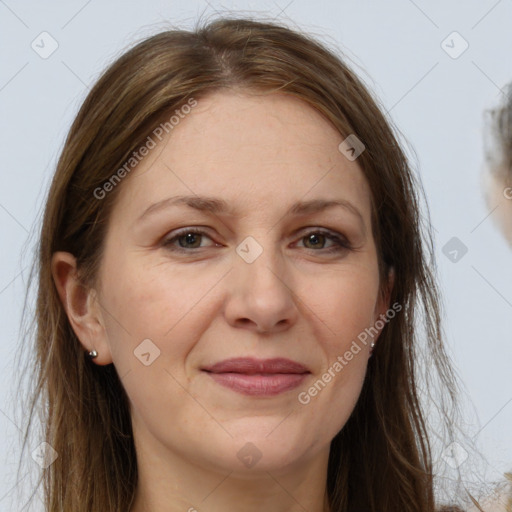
(256, 151)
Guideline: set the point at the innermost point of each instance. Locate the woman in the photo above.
(231, 277)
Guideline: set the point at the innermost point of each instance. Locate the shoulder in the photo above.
(499, 501)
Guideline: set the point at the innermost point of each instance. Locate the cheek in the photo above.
(346, 303)
(175, 306)
(346, 306)
(165, 303)
(158, 302)
(164, 306)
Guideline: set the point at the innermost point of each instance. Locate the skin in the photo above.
(499, 198)
(260, 154)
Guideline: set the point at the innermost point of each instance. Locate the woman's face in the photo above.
(266, 278)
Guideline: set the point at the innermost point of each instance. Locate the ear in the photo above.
(81, 306)
(383, 301)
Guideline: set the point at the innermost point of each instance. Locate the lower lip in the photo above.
(259, 385)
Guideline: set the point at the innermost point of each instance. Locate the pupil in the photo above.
(190, 238)
(314, 239)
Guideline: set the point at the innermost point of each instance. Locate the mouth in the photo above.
(258, 377)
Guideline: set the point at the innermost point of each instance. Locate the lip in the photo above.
(258, 377)
(250, 365)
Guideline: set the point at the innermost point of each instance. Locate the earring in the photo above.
(372, 346)
(92, 354)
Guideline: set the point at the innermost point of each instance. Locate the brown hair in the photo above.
(498, 150)
(381, 459)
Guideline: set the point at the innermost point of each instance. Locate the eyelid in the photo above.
(340, 241)
(198, 230)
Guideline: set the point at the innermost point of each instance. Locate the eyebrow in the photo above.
(219, 206)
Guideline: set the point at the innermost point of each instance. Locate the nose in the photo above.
(261, 296)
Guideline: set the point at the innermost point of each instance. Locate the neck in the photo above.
(169, 483)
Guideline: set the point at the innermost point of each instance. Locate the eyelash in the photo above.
(341, 244)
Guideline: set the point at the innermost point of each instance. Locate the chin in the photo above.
(256, 451)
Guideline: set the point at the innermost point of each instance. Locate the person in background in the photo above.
(498, 195)
(500, 500)
(498, 168)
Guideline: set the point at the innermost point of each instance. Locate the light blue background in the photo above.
(436, 101)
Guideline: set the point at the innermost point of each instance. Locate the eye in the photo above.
(316, 240)
(188, 239)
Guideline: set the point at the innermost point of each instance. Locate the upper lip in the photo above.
(249, 365)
